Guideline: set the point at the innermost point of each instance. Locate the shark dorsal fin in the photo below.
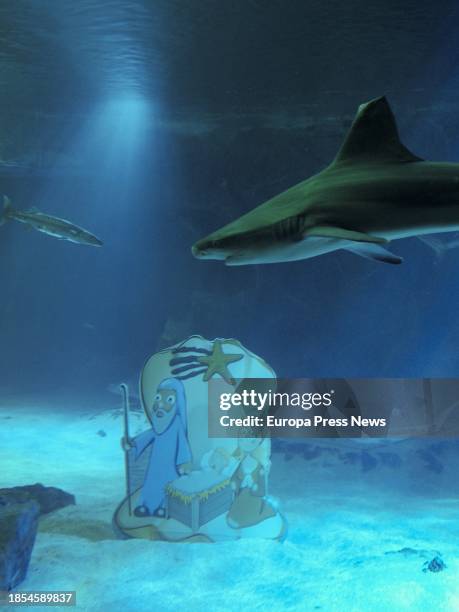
(33, 209)
(374, 136)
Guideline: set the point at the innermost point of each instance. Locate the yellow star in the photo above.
(217, 363)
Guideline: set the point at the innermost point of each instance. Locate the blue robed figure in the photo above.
(171, 449)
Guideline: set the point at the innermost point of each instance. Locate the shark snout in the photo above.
(198, 251)
(207, 249)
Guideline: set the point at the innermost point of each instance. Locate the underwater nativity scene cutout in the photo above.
(182, 485)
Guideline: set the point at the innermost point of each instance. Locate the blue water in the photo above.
(154, 123)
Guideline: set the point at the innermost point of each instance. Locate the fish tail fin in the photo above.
(7, 210)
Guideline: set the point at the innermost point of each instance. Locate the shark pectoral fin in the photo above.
(329, 231)
(373, 251)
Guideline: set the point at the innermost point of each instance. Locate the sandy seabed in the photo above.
(363, 520)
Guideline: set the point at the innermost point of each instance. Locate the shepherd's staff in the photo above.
(124, 389)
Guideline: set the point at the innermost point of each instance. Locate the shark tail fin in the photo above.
(7, 210)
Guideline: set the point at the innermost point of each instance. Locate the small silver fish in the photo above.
(53, 226)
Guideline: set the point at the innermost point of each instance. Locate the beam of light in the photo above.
(115, 134)
(108, 158)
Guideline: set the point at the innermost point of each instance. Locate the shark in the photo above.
(374, 191)
(53, 226)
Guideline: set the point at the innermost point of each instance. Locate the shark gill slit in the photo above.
(287, 228)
